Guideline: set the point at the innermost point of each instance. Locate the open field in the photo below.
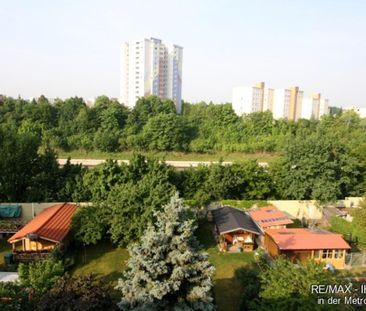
(173, 156)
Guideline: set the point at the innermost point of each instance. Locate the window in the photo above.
(327, 253)
(338, 253)
(317, 254)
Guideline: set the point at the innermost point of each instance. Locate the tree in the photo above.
(317, 166)
(95, 184)
(286, 285)
(88, 225)
(359, 223)
(132, 204)
(40, 275)
(166, 270)
(79, 293)
(165, 132)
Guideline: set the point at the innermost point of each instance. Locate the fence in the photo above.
(30, 257)
(356, 259)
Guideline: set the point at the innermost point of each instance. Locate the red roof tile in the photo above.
(306, 239)
(53, 223)
(269, 216)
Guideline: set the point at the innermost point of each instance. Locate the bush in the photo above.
(80, 293)
(341, 226)
(14, 296)
(40, 275)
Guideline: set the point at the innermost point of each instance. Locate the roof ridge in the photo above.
(54, 213)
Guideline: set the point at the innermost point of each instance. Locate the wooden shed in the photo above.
(45, 231)
(237, 231)
(304, 244)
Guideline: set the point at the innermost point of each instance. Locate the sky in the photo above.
(73, 48)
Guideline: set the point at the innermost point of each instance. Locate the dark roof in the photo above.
(230, 219)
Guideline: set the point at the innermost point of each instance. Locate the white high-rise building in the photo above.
(288, 103)
(268, 99)
(281, 103)
(307, 108)
(324, 107)
(314, 107)
(248, 99)
(150, 67)
(300, 96)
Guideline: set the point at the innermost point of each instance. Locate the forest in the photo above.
(153, 125)
(323, 160)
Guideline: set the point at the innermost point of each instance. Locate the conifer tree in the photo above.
(166, 271)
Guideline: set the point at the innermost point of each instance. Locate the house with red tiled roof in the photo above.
(45, 231)
(304, 243)
(269, 217)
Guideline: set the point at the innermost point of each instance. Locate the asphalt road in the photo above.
(176, 164)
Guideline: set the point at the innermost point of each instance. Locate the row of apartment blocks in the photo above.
(287, 103)
(151, 67)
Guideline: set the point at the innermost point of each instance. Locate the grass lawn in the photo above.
(104, 259)
(109, 261)
(173, 156)
(227, 288)
(4, 249)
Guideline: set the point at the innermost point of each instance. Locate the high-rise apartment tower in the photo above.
(150, 67)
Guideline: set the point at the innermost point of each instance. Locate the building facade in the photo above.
(281, 103)
(151, 67)
(287, 103)
(248, 99)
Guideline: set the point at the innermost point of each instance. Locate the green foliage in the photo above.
(323, 160)
(165, 132)
(14, 296)
(317, 166)
(340, 225)
(31, 174)
(166, 270)
(80, 293)
(134, 203)
(355, 230)
(153, 125)
(124, 197)
(244, 180)
(245, 204)
(95, 184)
(40, 275)
(250, 281)
(87, 225)
(285, 285)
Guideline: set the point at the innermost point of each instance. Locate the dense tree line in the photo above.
(315, 166)
(30, 173)
(322, 160)
(153, 125)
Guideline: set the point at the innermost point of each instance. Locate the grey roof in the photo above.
(230, 219)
